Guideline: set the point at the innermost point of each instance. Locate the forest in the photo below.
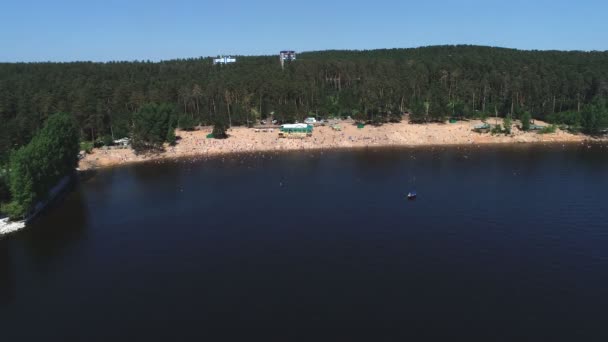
(430, 82)
(37, 166)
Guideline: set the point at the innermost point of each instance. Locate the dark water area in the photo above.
(502, 243)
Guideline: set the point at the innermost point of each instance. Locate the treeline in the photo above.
(592, 119)
(39, 165)
(154, 124)
(431, 82)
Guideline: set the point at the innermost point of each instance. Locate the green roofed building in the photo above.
(295, 130)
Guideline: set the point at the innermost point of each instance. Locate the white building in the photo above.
(224, 60)
(287, 55)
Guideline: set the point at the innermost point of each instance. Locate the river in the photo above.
(502, 243)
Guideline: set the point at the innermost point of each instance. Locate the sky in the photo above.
(110, 30)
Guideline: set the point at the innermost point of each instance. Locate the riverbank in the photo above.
(7, 226)
(244, 140)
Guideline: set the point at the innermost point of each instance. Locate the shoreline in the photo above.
(7, 226)
(243, 140)
(162, 157)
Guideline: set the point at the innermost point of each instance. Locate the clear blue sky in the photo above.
(156, 30)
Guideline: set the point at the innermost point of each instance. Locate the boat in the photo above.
(411, 195)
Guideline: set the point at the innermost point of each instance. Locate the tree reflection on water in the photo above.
(40, 244)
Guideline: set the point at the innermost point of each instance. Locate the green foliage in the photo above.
(395, 117)
(497, 129)
(517, 111)
(220, 126)
(458, 109)
(347, 101)
(150, 126)
(241, 115)
(418, 112)
(572, 119)
(13, 210)
(5, 194)
(186, 122)
(23, 175)
(331, 105)
(439, 110)
(525, 118)
(171, 138)
(60, 139)
(120, 126)
(219, 129)
(595, 117)
(360, 117)
(255, 117)
(507, 123)
(86, 146)
(36, 167)
(107, 140)
(483, 116)
(548, 129)
(377, 118)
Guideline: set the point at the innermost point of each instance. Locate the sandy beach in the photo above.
(243, 139)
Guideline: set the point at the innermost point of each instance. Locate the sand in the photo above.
(243, 139)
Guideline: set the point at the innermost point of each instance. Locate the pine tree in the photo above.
(219, 128)
(171, 138)
(525, 121)
(507, 123)
(220, 122)
(150, 126)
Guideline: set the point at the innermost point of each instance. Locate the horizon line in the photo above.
(298, 52)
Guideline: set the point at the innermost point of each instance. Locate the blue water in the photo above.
(502, 243)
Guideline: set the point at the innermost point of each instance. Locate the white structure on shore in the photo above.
(7, 226)
(122, 142)
(224, 60)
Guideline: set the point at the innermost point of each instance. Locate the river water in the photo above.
(502, 243)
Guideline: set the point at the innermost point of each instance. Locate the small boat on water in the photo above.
(411, 195)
